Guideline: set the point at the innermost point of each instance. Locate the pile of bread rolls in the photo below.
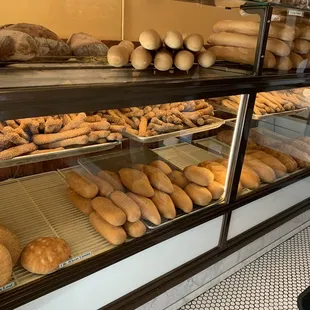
(268, 102)
(164, 53)
(116, 202)
(236, 40)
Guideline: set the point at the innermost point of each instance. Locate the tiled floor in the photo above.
(271, 282)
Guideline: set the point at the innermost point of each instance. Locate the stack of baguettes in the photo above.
(236, 41)
(302, 44)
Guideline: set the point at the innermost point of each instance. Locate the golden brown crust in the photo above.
(6, 265)
(11, 242)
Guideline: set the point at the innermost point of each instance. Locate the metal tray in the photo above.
(173, 134)
(27, 159)
(259, 117)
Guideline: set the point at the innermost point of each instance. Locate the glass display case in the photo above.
(135, 179)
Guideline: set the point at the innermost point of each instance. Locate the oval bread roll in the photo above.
(297, 60)
(150, 40)
(198, 175)
(114, 235)
(198, 194)
(193, 42)
(148, 209)
(241, 55)
(275, 46)
(135, 230)
(81, 185)
(128, 45)
(216, 189)
(181, 200)
(118, 56)
(138, 166)
(136, 181)
(163, 60)
(301, 46)
(109, 211)
(276, 30)
(283, 63)
(11, 242)
(265, 173)
(162, 166)
(124, 202)
(6, 265)
(164, 204)
(173, 39)
(83, 204)
(158, 179)
(206, 59)
(184, 60)
(178, 178)
(112, 178)
(141, 58)
(105, 189)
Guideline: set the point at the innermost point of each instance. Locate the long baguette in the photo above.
(241, 55)
(275, 46)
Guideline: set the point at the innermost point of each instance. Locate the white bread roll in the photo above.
(140, 58)
(241, 55)
(275, 46)
(184, 60)
(163, 60)
(150, 40)
(173, 39)
(128, 45)
(118, 56)
(205, 58)
(193, 42)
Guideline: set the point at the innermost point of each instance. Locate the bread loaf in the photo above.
(205, 59)
(198, 175)
(81, 185)
(276, 30)
(136, 181)
(109, 211)
(118, 56)
(163, 60)
(83, 204)
(199, 195)
(241, 55)
(162, 166)
(43, 255)
(265, 172)
(216, 189)
(141, 58)
(150, 40)
(112, 178)
(275, 46)
(48, 43)
(301, 46)
(297, 60)
(173, 39)
(158, 179)
(128, 45)
(164, 204)
(11, 242)
(181, 200)
(105, 189)
(283, 63)
(148, 209)
(124, 202)
(135, 230)
(6, 265)
(304, 32)
(178, 178)
(184, 60)
(83, 44)
(193, 42)
(113, 234)
(16, 45)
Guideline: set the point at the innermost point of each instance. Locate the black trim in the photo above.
(160, 285)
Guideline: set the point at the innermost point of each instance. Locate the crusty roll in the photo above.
(265, 172)
(150, 40)
(118, 56)
(178, 178)
(193, 42)
(11, 242)
(83, 204)
(135, 230)
(277, 30)
(205, 58)
(124, 202)
(162, 166)
(148, 209)
(140, 58)
(241, 55)
(173, 39)
(275, 46)
(6, 265)
(81, 185)
(109, 211)
(216, 189)
(113, 234)
(297, 60)
(136, 181)
(163, 60)
(184, 60)
(158, 179)
(198, 175)
(199, 195)
(181, 199)
(164, 204)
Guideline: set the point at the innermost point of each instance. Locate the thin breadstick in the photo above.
(103, 125)
(117, 128)
(17, 151)
(75, 123)
(80, 140)
(93, 118)
(142, 126)
(123, 116)
(66, 119)
(11, 123)
(95, 135)
(114, 136)
(54, 137)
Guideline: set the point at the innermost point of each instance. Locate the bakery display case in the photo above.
(126, 167)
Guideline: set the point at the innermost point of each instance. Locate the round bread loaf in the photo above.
(173, 39)
(193, 42)
(6, 266)
(43, 255)
(141, 58)
(150, 40)
(163, 60)
(11, 242)
(184, 60)
(118, 56)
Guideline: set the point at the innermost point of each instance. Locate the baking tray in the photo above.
(142, 155)
(190, 131)
(259, 117)
(27, 159)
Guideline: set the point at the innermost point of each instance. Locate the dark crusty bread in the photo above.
(83, 44)
(48, 43)
(16, 45)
